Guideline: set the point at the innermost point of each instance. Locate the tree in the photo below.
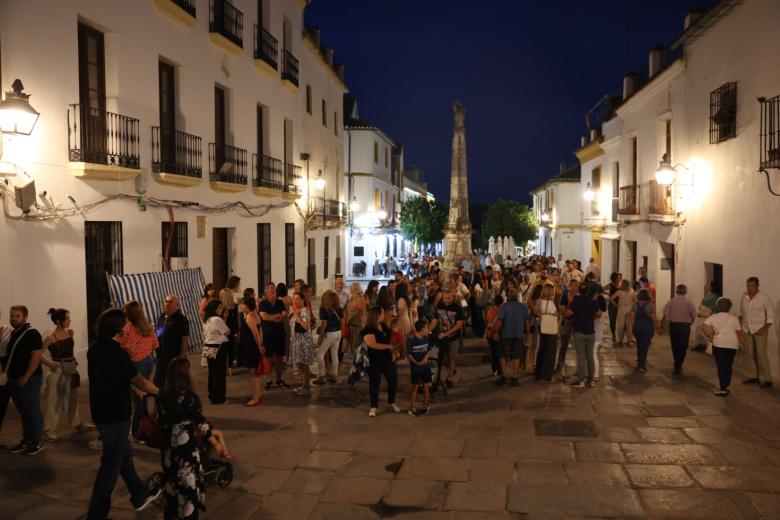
(509, 218)
(423, 221)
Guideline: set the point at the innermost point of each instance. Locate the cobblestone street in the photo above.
(651, 447)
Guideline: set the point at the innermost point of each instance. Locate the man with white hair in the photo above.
(173, 334)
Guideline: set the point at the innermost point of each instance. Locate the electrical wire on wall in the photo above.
(769, 182)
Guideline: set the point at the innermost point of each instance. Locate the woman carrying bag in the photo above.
(548, 333)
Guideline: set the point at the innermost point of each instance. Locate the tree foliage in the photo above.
(423, 221)
(509, 218)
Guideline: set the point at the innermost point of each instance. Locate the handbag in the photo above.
(209, 352)
(149, 427)
(264, 367)
(703, 311)
(4, 372)
(548, 324)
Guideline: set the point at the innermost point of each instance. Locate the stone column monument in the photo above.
(457, 235)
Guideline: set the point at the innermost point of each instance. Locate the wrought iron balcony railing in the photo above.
(769, 132)
(266, 47)
(176, 152)
(226, 20)
(227, 163)
(292, 178)
(661, 202)
(100, 137)
(290, 67)
(267, 172)
(628, 202)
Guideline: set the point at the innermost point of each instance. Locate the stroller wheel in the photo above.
(225, 477)
(154, 482)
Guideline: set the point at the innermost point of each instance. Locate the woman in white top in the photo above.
(548, 333)
(216, 335)
(727, 338)
(624, 299)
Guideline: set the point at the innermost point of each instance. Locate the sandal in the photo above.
(250, 404)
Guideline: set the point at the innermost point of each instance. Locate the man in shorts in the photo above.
(273, 313)
(419, 350)
(514, 323)
(447, 325)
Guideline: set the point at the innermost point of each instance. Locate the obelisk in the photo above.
(457, 235)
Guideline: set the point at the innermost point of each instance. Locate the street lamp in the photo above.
(16, 115)
(665, 173)
(319, 182)
(589, 194)
(354, 206)
(381, 214)
(545, 217)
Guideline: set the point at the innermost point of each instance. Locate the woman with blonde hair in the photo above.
(356, 315)
(331, 316)
(231, 299)
(140, 341)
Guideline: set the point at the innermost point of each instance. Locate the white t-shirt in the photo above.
(215, 331)
(725, 327)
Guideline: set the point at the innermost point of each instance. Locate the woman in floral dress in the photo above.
(302, 343)
(181, 419)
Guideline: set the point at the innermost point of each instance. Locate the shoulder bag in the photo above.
(548, 324)
(4, 372)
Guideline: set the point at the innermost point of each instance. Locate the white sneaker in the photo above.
(95, 444)
(395, 408)
(50, 436)
(372, 412)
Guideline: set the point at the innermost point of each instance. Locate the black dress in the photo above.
(248, 351)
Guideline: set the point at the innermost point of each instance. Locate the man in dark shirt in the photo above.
(25, 379)
(447, 326)
(584, 311)
(111, 374)
(273, 315)
(173, 333)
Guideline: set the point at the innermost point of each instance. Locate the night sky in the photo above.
(526, 70)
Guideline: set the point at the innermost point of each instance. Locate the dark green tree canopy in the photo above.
(509, 218)
(423, 221)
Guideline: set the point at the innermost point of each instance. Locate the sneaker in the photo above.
(413, 412)
(448, 384)
(514, 382)
(303, 392)
(578, 384)
(33, 448)
(591, 384)
(395, 408)
(19, 448)
(85, 426)
(372, 412)
(319, 381)
(268, 386)
(642, 370)
(281, 384)
(766, 384)
(751, 381)
(50, 436)
(151, 498)
(426, 409)
(95, 444)
(501, 381)
(721, 393)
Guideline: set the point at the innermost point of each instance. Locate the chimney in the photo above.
(691, 17)
(630, 84)
(340, 71)
(656, 61)
(594, 133)
(315, 34)
(329, 55)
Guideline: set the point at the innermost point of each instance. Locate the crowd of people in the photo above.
(528, 310)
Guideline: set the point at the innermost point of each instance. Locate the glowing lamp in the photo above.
(16, 114)
(665, 173)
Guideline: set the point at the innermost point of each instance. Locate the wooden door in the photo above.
(311, 271)
(103, 255)
(167, 114)
(220, 258)
(92, 94)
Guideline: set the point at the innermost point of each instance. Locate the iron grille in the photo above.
(267, 172)
(266, 47)
(103, 255)
(325, 257)
(227, 163)
(290, 69)
(628, 203)
(226, 20)
(179, 242)
(723, 113)
(289, 253)
(99, 137)
(263, 256)
(770, 132)
(176, 152)
(292, 178)
(660, 199)
(186, 5)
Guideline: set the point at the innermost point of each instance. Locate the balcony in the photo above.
(102, 145)
(226, 26)
(227, 167)
(660, 203)
(292, 181)
(180, 11)
(176, 157)
(266, 51)
(769, 132)
(289, 71)
(267, 175)
(330, 210)
(628, 201)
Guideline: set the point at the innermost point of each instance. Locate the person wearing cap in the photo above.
(680, 313)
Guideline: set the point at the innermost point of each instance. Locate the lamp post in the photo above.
(17, 117)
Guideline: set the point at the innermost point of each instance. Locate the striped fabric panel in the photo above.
(150, 289)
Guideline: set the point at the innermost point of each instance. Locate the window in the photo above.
(261, 119)
(595, 183)
(376, 152)
(289, 253)
(668, 139)
(308, 99)
(335, 123)
(102, 254)
(376, 198)
(324, 114)
(167, 96)
(615, 190)
(770, 132)
(386, 155)
(358, 251)
(723, 113)
(634, 166)
(325, 257)
(178, 242)
(338, 254)
(263, 256)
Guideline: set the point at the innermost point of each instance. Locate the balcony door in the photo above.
(167, 114)
(220, 253)
(92, 94)
(220, 128)
(102, 255)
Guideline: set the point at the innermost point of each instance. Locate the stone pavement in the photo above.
(643, 446)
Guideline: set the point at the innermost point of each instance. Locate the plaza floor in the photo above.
(640, 446)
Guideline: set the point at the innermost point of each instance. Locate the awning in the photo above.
(609, 236)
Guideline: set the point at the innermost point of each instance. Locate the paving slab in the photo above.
(690, 504)
(533, 472)
(475, 496)
(658, 476)
(322, 459)
(414, 494)
(727, 477)
(309, 481)
(598, 452)
(596, 474)
(663, 435)
(767, 504)
(355, 490)
(544, 450)
(574, 501)
(669, 454)
(361, 465)
(264, 481)
(496, 471)
(431, 468)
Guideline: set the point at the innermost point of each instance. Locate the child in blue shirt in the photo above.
(419, 350)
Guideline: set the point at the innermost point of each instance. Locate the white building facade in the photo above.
(556, 205)
(210, 115)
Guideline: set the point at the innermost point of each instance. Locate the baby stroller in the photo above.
(215, 471)
(359, 366)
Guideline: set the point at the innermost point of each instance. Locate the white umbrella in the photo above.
(499, 247)
(512, 245)
(492, 246)
(507, 251)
